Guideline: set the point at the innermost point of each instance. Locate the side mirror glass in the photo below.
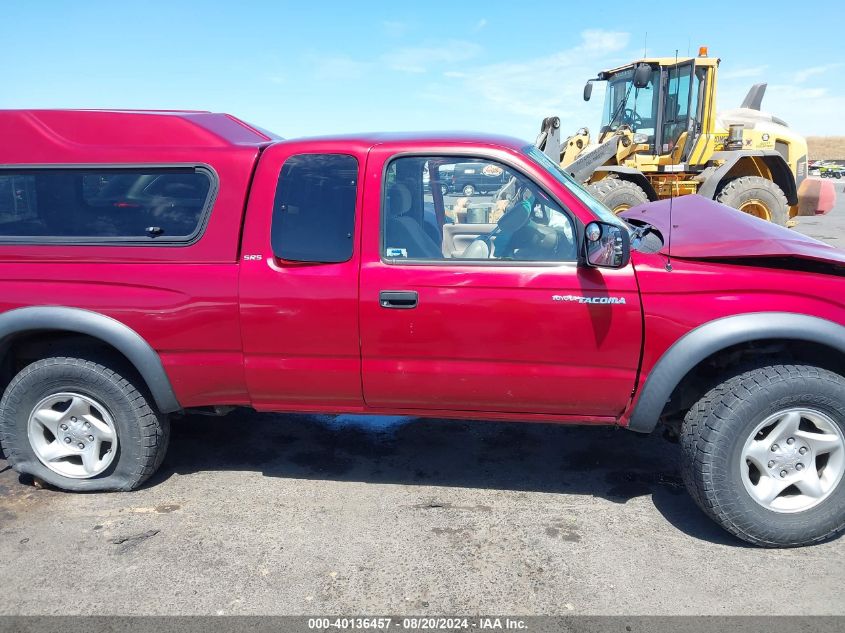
(607, 245)
(588, 90)
(642, 75)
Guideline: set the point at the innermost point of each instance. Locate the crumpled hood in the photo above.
(704, 229)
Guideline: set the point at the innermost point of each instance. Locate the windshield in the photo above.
(602, 212)
(626, 105)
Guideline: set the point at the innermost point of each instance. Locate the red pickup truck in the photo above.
(154, 263)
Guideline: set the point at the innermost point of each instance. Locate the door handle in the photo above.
(399, 299)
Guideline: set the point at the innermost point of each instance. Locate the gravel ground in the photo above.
(279, 514)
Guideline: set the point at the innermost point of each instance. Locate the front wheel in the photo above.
(469, 190)
(764, 455)
(80, 425)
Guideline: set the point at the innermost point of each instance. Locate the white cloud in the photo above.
(803, 75)
(808, 111)
(535, 88)
(601, 41)
(742, 73)
(337, 67)
(422, 58)
(480, 25)
(394, 28)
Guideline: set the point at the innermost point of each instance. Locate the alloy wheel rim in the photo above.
(73, 435)
(793, 460)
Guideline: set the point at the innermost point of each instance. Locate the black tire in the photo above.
(444, 190)
(468, 190)
(618, 195)
(143, 433)
(713, 436)
(744, 190)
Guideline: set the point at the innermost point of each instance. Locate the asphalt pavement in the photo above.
(282, 514)
(828, 228)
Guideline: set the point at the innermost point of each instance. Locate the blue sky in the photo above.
(305, 68)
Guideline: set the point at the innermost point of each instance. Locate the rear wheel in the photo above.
(764, 455)
(79, 425)
(756, 196)
(618, 195)
(469, 190)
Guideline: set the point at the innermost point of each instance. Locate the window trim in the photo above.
(355, 211)
(399, 261)
(92, 240)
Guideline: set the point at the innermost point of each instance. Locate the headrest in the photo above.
(398, 199)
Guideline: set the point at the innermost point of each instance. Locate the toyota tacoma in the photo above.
(157, 263)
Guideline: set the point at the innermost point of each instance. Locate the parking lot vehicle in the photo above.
(472, 178)
(314, 278)
(831, 171)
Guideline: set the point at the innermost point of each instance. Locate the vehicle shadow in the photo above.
(596, 461)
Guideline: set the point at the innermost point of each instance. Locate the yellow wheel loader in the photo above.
(660, 136)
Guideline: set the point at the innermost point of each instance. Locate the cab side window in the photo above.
(455, 208)
(314, 209)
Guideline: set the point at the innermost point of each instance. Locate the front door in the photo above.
(490, 310)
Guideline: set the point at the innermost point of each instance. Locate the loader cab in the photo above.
(625, 104)
(664, 102)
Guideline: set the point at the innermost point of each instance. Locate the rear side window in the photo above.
(59, 205)
(314, 209)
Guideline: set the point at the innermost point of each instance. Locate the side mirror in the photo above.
(588, 90)
(607, 245)
(642, 75)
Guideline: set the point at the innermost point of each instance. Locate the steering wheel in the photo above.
(631, 118)
(514, 219)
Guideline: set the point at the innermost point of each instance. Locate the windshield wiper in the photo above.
(621, 106)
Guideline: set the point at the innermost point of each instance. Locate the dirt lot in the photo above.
(826, 147)
(282, 514)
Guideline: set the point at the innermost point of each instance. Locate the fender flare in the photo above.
(705, 340)
(781, 174)
(120, 336)
(634, 175)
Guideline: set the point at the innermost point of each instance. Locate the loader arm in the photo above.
(548, 141)
(583, 167)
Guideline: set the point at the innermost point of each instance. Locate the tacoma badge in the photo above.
(588, 299)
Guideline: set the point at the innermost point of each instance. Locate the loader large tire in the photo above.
(756, 196)
(618, 195)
